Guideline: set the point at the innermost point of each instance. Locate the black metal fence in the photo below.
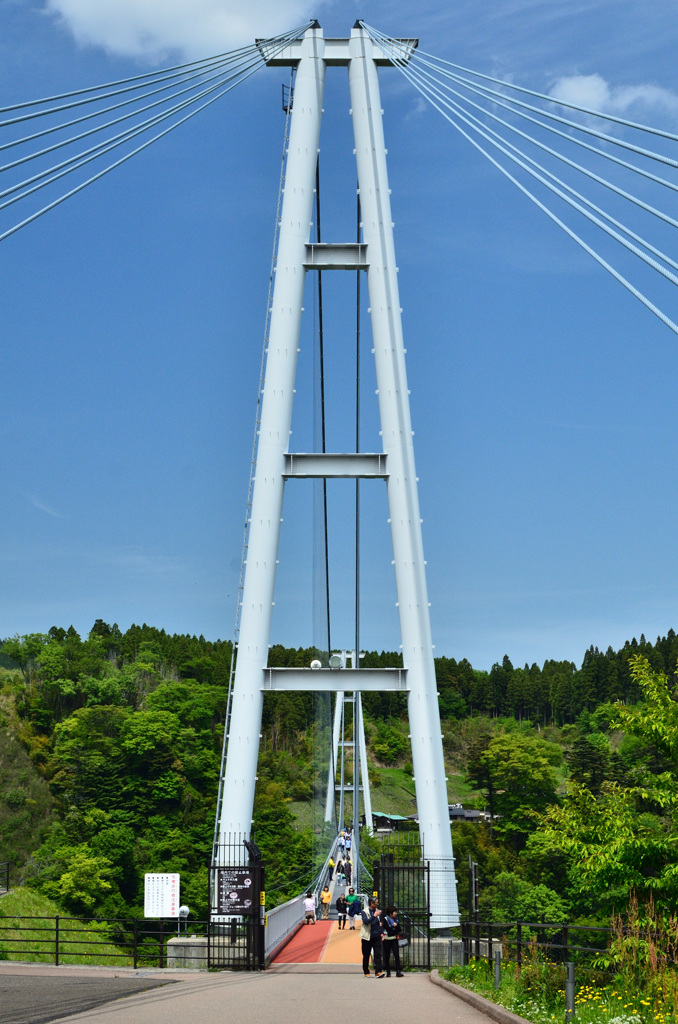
(237, 926)
(124, 942)
(407, 887)
(4, 876)
(233, 936)
(518, 939)
(114, 942)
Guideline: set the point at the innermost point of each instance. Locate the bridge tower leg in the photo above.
(273, 443)
(275, 464)
(403, 500)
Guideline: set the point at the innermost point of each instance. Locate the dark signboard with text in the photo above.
(235, 891)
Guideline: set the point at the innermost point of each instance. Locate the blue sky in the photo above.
(543, 396)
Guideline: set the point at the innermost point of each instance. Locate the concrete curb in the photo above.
(486, 1006)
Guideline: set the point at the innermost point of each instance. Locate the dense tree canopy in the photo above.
(126, 728)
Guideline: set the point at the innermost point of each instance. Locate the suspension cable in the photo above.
(493, 93)
(522, 160)
(431, 88)
(214, 93)
(120, 81)
(554, 99)
(97, 113)
(74, 162)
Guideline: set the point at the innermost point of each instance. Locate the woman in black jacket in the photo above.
(392, 932)
(342, 910)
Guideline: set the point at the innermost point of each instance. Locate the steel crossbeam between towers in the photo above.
(275, 464)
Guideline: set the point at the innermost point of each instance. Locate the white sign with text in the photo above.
(161, 895)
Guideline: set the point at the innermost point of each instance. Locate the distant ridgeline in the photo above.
(110, 666)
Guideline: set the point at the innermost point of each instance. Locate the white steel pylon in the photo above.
(339, 744)
(311, 55)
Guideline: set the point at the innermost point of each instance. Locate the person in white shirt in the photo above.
(309, 908)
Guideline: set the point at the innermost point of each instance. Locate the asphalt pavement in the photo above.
(293, 994)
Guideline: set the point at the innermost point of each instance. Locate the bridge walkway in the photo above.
(283, 996)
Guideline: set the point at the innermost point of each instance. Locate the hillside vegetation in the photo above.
(110, 750)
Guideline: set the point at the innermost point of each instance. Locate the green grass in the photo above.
(538, 994)
(459, 791)
(20, 937)
(395, 795)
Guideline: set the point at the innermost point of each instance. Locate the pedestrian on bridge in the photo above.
(370, 939)
(340, 872)
(309, 908)
(354, 908)
(330, 867)
(326, 899)
(342, 910)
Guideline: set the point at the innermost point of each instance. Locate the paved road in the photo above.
(286, 995)
(27, 999)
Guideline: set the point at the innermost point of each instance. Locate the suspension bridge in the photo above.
(552, 151)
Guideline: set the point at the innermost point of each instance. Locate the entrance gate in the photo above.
(407, 887)
(237, 924)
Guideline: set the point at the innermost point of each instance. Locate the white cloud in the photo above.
(194, 28)
(40, 505)
(594, 92)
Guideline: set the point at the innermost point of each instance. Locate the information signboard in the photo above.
(161, 895)
(235, 891)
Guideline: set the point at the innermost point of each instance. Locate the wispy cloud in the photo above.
(594, 92)
(40, 505)
(194, 28)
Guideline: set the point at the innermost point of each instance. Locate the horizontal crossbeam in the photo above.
(331, 680)
(336, 256)
(336, 53)
(350, 465)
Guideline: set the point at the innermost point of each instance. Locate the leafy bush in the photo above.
(15, 798)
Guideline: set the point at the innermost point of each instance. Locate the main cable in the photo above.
(274, 46)
(625, 122)
(80, 159)
(114, 121)
(522, 160)
(160, 75)
(400, 57)
(494, 94)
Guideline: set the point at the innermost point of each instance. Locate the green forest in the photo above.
(110, 751)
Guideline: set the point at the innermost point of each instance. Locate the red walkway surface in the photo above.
(308, 945)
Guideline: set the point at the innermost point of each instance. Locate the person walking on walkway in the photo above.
(340, 872)
(392, 933)
(330, 867)
(347, 871)
(342, 910)
(309, 908)
(326, 899)
(370, 939)
(354, 908)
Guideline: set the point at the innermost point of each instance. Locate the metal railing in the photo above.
(4, 876)
(63, 940)
(323, 878)
(282, 921)
(481, 938)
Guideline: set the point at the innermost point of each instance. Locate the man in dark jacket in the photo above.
(370, 939)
